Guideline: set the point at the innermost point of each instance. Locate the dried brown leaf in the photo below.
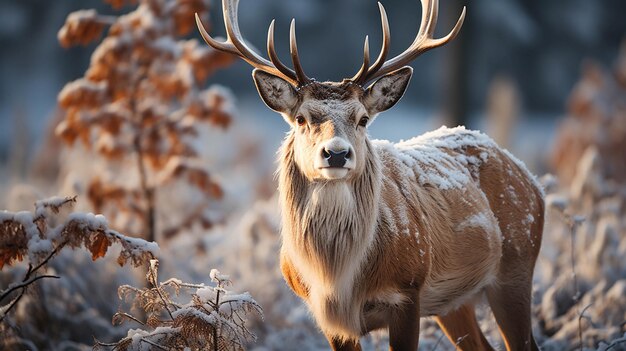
(99, 245)
(81, 27)
(13, 242)
(83, 93)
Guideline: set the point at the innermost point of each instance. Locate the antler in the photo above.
(423, 42)
(235, 45)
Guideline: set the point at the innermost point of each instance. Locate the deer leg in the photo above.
(338, 345)
(404, 326)
(510, 305)
(461, 327)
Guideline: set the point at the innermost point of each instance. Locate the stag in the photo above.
(376, 235)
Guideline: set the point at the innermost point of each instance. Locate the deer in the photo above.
(376, 235)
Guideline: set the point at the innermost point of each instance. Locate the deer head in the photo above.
(329, 119)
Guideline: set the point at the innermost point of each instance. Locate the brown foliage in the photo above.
(37, 235)
(13, 244)
(141, 100)
(82, 27)
(183, 15)
(42, 234)
(104, 196)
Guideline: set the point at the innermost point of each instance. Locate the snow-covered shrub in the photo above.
(35, 238)
(582, 267)
(139, 107)
(214, 319)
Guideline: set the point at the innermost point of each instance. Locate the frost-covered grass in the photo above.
(213, 319)
(247, 243)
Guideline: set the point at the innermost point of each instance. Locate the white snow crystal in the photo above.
(217, 276)
(206, 293)
(90, 220)
(480, 220)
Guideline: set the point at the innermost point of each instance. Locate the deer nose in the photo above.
(336, 158)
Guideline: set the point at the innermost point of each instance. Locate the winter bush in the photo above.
(214, 319)
(34, 238)
(139, 107)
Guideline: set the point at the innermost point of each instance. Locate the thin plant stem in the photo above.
(217, 304)
(25, 284)
(580, 325)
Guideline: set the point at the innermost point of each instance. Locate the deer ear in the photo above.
(387, 91)
(277, 93)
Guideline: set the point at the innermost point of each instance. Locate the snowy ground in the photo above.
(68, 312)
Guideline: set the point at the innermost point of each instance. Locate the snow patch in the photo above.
(480, 220)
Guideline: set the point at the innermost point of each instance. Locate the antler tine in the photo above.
(235, 45)
(228, 46)
(386, 40)
(453, 33)
(423, 42)
(293, 48)
(230, 9)
(430, 11)
(366, 63)
(362, 76)
(271, 52)
(212, 42)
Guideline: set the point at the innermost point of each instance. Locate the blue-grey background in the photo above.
(538, 45)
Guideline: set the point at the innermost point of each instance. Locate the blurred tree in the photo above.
(596, 118)
(503, 110)
(141, 98)
(456, 71)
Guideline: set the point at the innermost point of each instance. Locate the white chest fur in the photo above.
(328, 248)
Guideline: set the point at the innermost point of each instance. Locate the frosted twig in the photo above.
(580, 324)
(573, 222)
(174, 281)
(152, 271)
(217, 304)
(24, 284)
(131, 317)
(100, 343)
(28, 280)
(154, 344)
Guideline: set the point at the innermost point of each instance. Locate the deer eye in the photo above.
(363, 121)
(300, 120)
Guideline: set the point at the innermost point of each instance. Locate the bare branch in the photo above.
(24, 284)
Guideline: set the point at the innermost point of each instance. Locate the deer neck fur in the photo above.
(328, 229)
